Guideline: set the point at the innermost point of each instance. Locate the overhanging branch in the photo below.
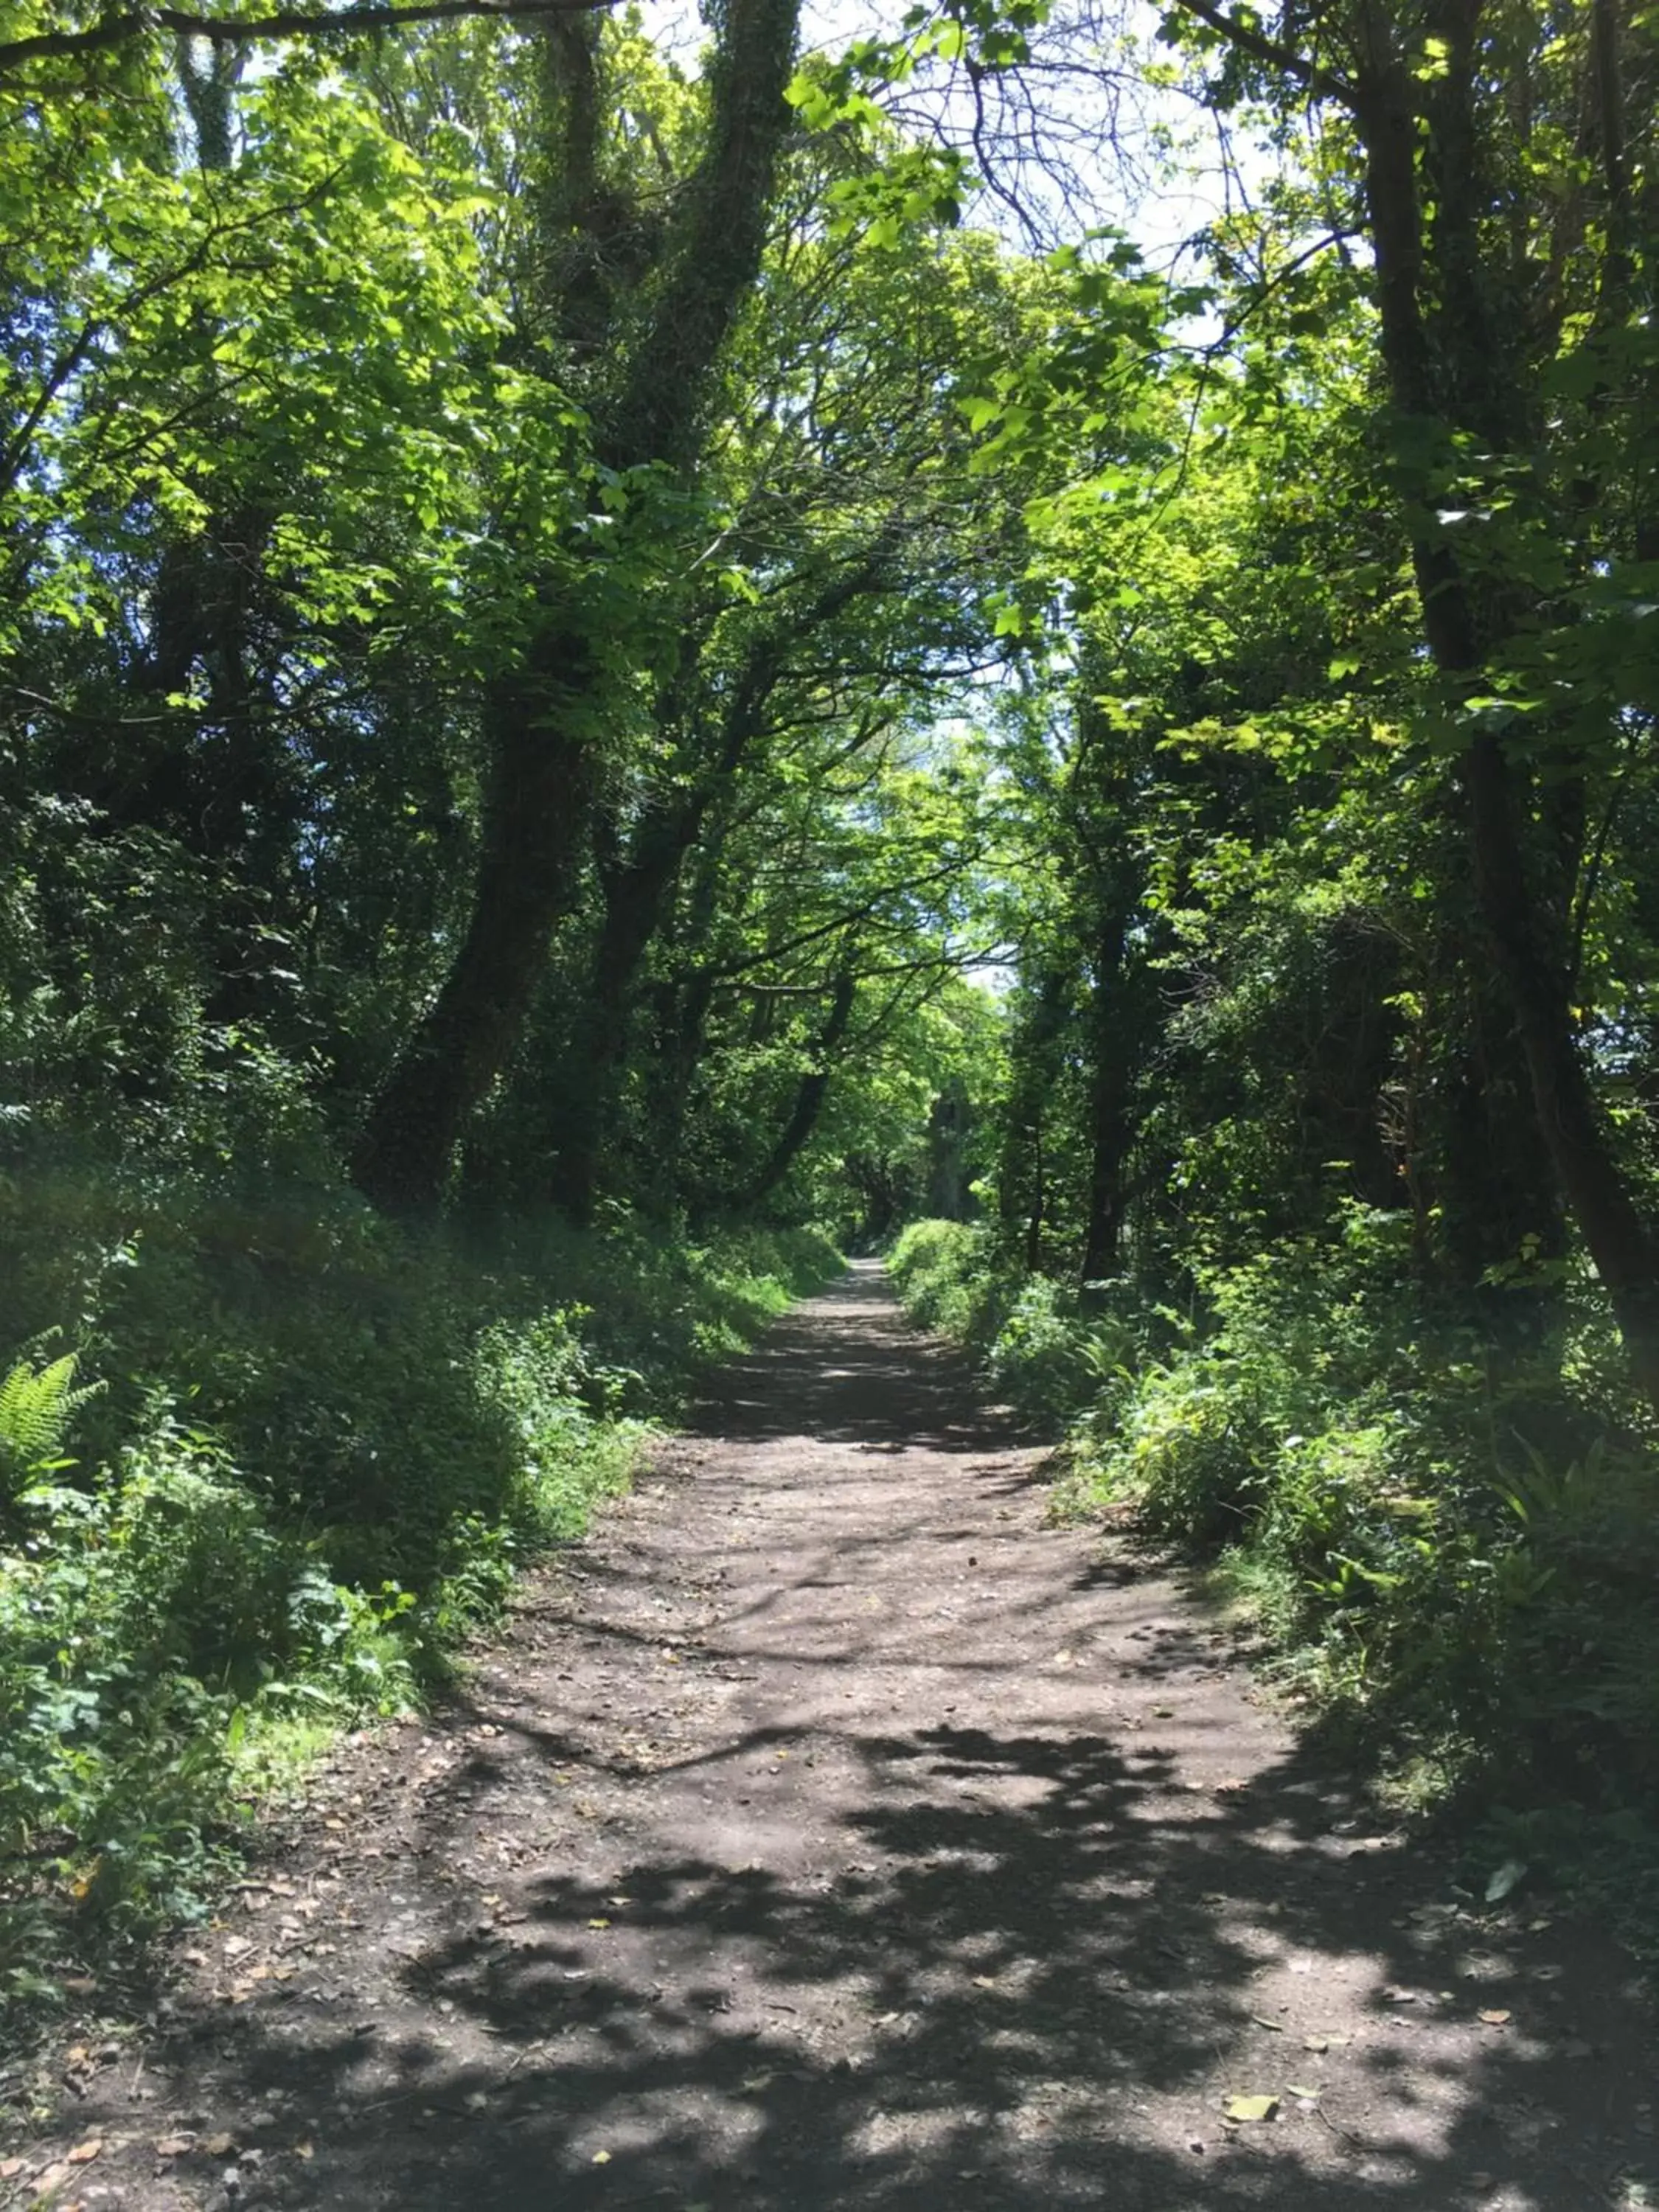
(283, 23)
(1251, 39)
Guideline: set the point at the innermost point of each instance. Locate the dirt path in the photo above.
(829, 1832)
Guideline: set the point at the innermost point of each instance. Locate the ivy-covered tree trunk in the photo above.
(536, 817)
(550, 734)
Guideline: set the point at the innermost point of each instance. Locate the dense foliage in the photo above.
(606, 659)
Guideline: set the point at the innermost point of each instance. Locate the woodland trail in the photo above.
(829, 1831)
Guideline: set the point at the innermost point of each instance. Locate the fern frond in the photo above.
(37, 1406)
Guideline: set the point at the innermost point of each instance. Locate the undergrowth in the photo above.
(1450, 1541)
(263, 1465)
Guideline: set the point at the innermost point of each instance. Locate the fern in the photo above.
(37, 1406)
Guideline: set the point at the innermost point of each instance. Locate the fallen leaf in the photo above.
(175, 2146)
(1240, 2109)
(1277, 2026)
(11, 2168)
(601, 2158)
(1295, 2089)
(599, 1923)
(219, 2146)
(83, 2154)
(304, 2150)
(1494, 2016)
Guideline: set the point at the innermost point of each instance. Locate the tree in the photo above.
(551, 714)
(1507, 270)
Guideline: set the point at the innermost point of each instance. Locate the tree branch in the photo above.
(1251, 40)
(283, 23)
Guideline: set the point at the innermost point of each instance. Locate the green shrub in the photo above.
(1046, 1352)
(313, 1447)
(1450, 1548)
(1053, 1359)
(952, 1278)
(1191, 1448)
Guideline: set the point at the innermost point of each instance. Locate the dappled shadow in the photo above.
(835, 1837)
(1030, 1939)
(846, 1380)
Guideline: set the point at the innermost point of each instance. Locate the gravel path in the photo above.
(829, 1832)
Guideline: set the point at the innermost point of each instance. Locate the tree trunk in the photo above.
(948, 1122)
(550, 728)
(1020, 1171)
(1463, 620)
(1534, 972)
(808, 1098)
(636, 890)
(1111, 1130)
(535, 830)
(635, 896)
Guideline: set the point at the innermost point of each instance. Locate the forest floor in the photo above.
(830, 1830)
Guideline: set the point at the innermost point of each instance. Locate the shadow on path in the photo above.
(832, 1833)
